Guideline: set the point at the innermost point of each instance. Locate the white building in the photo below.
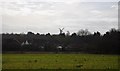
(59, 47)
(25, 43)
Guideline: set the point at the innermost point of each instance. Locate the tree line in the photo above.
(82, 41)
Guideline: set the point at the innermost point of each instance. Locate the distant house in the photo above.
(25, 43)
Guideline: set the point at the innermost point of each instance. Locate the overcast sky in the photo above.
(45, 16)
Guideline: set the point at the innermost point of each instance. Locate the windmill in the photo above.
(61, 30)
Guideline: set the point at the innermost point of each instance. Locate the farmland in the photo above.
(59, 61)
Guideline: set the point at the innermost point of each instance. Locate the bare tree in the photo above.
(83, 32)
(68, 33)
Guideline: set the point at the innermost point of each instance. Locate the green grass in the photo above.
(59, 61)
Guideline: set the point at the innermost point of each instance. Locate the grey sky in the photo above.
(45, 16)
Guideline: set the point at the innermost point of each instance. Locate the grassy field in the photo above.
(59, 61)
